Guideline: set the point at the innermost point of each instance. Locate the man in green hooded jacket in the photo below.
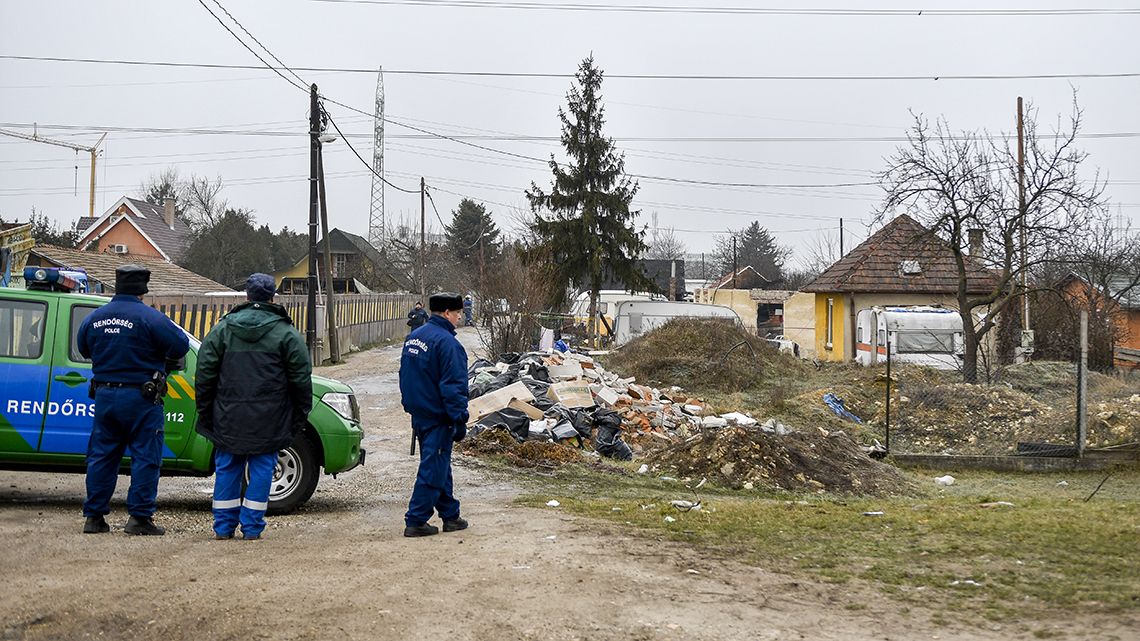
(255, 393)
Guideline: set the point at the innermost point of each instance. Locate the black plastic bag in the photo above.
(510, 419)
(538, 389)
(607, 438)
(510, 358)
(479, 363)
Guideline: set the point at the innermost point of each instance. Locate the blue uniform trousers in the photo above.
(124, 419)
(229, 506)
(433, 492)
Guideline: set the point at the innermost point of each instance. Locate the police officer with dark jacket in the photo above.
(433, 387)
(255, 391)
(417, 317)
(130, 345)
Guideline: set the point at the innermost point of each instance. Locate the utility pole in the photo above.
(93, 150)
(841, 252)
(330, 302)
(734, 270)
(314, 204)
(423, 242)
(1022, 213)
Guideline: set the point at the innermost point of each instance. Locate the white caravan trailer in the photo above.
(930, 336)
(636, 317)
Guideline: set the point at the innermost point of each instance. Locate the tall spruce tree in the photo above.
(584, 223)
(470, 224)
(755, 246)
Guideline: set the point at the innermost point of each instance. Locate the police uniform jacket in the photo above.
(254, 381)
(433, 375)
(128, 341)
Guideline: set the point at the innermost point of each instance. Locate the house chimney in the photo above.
(976, 236)
(168, 211)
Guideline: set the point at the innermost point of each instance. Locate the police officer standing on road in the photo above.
(132, 347)
(433, 387)
(255, 391)
(417, 317)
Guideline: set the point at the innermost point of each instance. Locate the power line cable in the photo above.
(733, 10)
(611, 76)
(249, 48)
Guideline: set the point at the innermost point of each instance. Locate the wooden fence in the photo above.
(361, 319)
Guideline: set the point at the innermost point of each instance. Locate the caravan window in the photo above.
(924, 341)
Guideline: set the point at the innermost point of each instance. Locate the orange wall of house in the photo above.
(125, 234)
(1131, 326)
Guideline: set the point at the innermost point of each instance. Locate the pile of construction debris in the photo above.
(565, 396)
(545, 409)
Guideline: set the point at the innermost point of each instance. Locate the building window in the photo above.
(830, 321)
(340, 265)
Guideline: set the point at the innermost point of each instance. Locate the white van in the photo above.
(636, 317)
(920, 334)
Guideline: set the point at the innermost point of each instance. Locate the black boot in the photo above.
(421, 530)
(143, 525)
(96, 525)
(454, 525)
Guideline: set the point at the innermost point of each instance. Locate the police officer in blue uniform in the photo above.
(130, 345)
(433, 387)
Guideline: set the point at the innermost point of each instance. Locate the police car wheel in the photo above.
(295, 476)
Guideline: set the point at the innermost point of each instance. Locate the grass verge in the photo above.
(1048, 553)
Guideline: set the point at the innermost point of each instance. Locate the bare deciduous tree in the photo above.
(664, 245)
(956, 182)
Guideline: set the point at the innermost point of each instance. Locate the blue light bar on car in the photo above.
(50, 279)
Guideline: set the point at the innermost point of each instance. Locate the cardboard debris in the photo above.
(497, 400)
(532, 412)
(571, 394)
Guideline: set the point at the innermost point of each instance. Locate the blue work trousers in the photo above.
(230, 507)
(433, 491)
(124, 420)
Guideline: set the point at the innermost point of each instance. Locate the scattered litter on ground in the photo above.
(944, 480)
(686, 506)
(670, 519)
(643, 469)
(837, 406)
(1062, 483)
(969, 582)
(996, 504)
(873, 513)
(552, 503)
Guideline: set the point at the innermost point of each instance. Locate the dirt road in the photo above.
(340, 567)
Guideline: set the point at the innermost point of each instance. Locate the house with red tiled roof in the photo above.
(133, 227)
(165, 276)
(903, 263)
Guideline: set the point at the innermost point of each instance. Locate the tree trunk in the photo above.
(970, 348)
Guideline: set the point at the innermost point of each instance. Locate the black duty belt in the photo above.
(134, 385)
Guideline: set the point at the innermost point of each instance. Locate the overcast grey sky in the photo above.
(268, 173)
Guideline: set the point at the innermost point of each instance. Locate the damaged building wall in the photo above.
(799, 322)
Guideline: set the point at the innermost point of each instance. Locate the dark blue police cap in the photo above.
(131, 279)
(260, 288)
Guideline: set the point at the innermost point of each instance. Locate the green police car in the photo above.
(46, 415)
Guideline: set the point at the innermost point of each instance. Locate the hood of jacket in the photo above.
(250, 322)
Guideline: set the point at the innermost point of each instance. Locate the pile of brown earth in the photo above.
(704, 355)
(527, 454)
(810, 460)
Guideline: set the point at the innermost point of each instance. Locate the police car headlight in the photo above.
(341, 404)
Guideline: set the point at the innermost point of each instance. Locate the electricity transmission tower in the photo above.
(376, 213)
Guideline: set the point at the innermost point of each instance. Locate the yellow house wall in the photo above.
(799, 322)
(740, 300)
(300, 270)
(836, 350)
(846, 306)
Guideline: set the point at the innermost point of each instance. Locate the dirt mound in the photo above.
(526, 454)
(701, 355)
(746, 458)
